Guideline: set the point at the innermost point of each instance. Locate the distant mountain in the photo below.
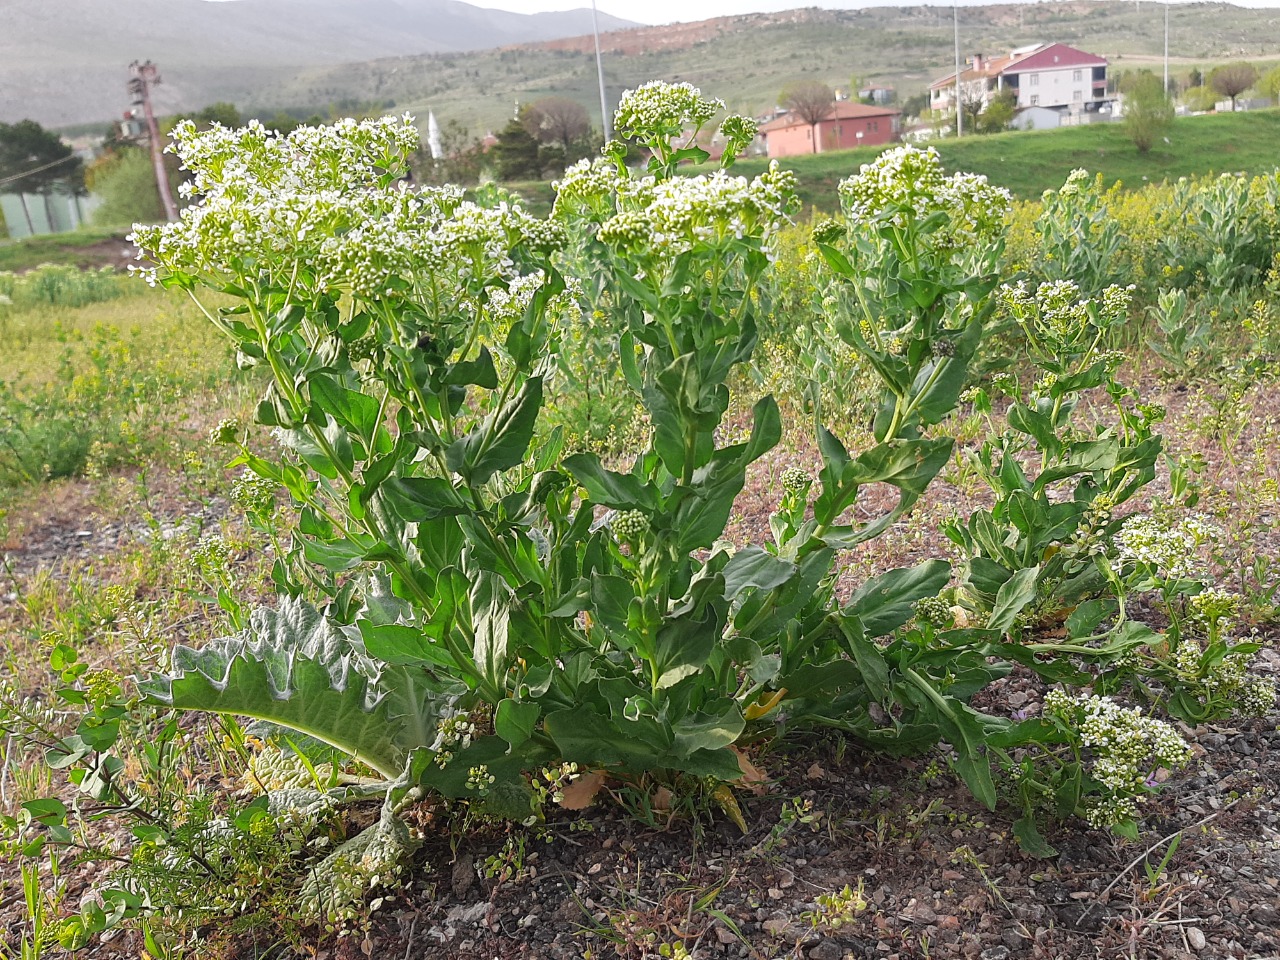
(65, 61)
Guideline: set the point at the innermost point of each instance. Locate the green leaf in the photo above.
(705, 731)
(1029, 838)
(501, 440)
(754, 567)
(416, 499)
(480, 372)
(491, 617)
(356, 411)
(869, 658)
(584, 736)
(295, 668)
(514, 720)
(622, 491)
(405, 645)
(1013, 596)
(886, 602)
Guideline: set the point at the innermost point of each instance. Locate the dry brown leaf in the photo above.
(662, 798)
(580, 794)
(753, 778)
(816, 772)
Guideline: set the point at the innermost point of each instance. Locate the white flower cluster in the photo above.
(907, 186)
(345, 157)
(1075, 181)
(661, 110)
(320, 207)
(673, 216)
(1055, 313)
(1170, 550)
(588, 187)
(1126, 747)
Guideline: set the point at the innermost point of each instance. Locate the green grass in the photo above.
(61, 248)
(1028, 163)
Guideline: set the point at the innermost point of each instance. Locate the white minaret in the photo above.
(433, 136)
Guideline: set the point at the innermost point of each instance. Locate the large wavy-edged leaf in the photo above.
(295, 668)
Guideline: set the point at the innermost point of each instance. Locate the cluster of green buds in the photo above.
(630, 526)
(453, 734)
(549, 785)
(935, 611)
(254, 495)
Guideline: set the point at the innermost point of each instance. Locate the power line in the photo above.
(27, 173)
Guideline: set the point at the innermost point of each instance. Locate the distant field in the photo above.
(88, 247)
(1028, 163)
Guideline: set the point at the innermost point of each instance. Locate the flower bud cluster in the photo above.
(934, 611)
(1056, 316)
(453, 734)
(1089, 538)
(254, 494)
(549, 786)
(795, 480)
(629, 526)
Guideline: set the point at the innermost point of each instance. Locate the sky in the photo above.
(671, 11)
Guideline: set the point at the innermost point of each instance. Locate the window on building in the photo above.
(1035, 100)
(1034, 80)
(1077, 75)
(1079, 95)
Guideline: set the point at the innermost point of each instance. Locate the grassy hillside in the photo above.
(747, 59)
(1028, 163)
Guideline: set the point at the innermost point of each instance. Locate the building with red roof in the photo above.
(1052, 75)
(845, 125)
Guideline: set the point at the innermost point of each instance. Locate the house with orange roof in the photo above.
(1053, 76)
(845, 125)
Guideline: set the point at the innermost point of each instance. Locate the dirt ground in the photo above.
(925, 871)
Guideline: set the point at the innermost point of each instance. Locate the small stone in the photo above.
(776, 926)
(827, 949)
(995, 953)
(775, 893)
(1195, 937)
(463, 876)
(725, 935)
(594, 869)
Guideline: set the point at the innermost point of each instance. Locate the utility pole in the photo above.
(142, 77)
(955, 19)
(604, 102)
(1166, 48)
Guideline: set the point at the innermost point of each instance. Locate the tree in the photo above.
(517, 154)
(1195, 78)
(556, 120)
(999, 112)
(916, 105)
(124, 181)
(1148, 111)
(35, 160)
(971, 106)
(462, 157)
(810, 100)
(1270, 84)
(1233, 79)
